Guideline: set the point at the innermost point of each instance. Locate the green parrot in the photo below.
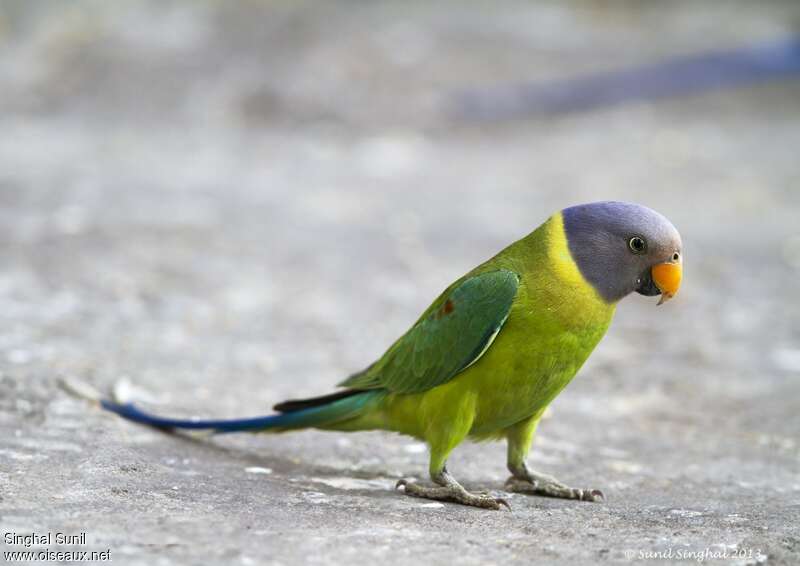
(494, 349)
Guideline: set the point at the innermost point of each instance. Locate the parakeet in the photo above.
(494, 349)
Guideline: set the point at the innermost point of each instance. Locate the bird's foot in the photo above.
(453, 492)
(532, 483)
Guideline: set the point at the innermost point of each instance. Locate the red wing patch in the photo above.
(445, 309)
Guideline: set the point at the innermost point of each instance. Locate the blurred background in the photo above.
(229, 204)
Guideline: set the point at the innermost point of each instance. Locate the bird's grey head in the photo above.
(621, 247)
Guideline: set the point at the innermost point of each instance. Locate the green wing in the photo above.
(450, 336)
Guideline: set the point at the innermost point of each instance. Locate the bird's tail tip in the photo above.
(80, 390)
(121, 392)
(119, 401)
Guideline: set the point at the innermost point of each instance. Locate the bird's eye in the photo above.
(637, 245)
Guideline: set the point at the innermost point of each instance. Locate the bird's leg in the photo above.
(448, 489)
(441, 441)
(525, 480)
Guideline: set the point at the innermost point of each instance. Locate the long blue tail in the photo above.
(339, 409)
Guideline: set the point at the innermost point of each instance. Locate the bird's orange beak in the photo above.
(667, 277)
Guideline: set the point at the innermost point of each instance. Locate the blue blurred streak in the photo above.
(687, 75)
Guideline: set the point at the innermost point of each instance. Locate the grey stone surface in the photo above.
(233, 203)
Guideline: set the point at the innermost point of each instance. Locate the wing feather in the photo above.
(455, 331)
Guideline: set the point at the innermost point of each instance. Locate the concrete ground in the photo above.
(229, 204)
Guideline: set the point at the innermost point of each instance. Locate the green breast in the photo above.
(556, 321)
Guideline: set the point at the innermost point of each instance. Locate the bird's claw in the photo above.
(454, 493)
(593, 495)
(552, 488)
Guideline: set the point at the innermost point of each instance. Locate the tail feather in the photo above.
(293, 405)
(337, 408)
